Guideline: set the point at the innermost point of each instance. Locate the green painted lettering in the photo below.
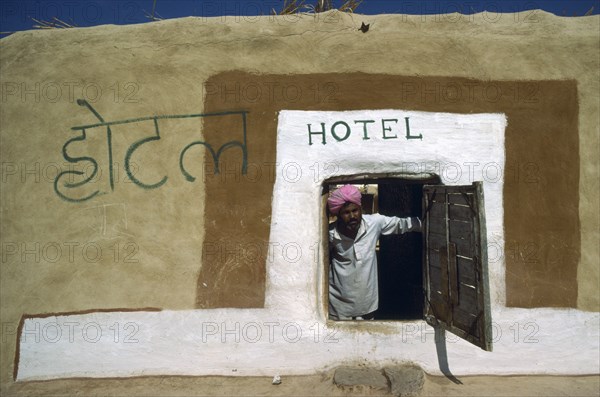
(386, 128)
(408, 135)
(336, 136)
(311, 133)
(365, 128)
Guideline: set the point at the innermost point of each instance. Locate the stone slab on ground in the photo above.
(351, 377)
(405, 380)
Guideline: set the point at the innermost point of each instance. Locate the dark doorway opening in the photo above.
(399, 257)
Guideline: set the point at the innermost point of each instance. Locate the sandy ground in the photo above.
(314, 385)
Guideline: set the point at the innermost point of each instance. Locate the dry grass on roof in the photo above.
(296, 6)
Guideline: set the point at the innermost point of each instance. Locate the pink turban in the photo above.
(343, 195)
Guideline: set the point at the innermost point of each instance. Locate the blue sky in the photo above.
(17, 15)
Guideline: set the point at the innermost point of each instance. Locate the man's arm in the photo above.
(396, 225)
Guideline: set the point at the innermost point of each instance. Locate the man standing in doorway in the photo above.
(353, 279)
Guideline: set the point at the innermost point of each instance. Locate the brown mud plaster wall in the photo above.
(541, 190)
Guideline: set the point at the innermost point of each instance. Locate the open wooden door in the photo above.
(455, 276)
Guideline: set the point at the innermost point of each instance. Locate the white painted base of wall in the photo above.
(259, 342)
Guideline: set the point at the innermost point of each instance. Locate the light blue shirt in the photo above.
(353, 289)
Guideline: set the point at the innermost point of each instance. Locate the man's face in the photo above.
(350, 216)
